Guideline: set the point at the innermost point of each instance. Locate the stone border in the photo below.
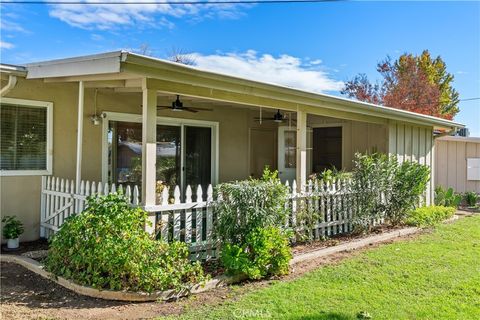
(216, 282)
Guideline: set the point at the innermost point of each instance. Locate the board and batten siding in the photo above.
(451, 162)
(414, 143)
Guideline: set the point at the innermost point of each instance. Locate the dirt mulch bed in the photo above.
(41, 244)
(26, 295)
(335, 240)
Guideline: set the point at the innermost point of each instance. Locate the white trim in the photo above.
(49, 145)
(331, 125)
(181, 122)
(459, 139)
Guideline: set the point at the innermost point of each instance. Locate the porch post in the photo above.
(301, 174)
(78, 171)
(149, 147)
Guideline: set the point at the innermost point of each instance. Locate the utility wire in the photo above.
(469, 99)
(187, 2)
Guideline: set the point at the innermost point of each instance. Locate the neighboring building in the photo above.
(218, 139)
(457, 163)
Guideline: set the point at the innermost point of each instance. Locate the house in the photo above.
(96, 118)
(457, 161)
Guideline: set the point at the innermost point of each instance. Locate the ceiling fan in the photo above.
(277, 117)
(177, 105)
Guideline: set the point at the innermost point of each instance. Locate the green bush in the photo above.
(409, 183)
(266, 252)
(429, 216)
(106, 247)
(384, 188)
(243, 206)
(447, 198)
(471, 198)
(13, 228)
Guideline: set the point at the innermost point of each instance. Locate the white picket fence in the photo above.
(189, 217)
(61, 198)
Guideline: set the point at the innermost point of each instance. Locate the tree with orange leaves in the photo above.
(414, 83)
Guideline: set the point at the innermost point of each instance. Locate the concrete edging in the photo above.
(37, 268)
(216, 282)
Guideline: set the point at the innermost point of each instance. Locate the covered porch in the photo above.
(129, 131)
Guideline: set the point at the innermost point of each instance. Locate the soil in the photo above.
(26, 295)
(41, 244)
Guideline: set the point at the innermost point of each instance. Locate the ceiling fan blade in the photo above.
(201, 109)
(163, 107)
(263, 119)
(193, 110)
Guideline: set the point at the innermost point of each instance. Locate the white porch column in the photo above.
(301, 175)
(149, 144)
(78, 171)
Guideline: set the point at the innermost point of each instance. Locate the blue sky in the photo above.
(313, 46)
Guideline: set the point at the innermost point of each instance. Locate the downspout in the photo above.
(78, 170)
(12, 82)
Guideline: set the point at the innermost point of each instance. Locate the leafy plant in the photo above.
(447, 198)
(107, 247)
(243, 206)
(266, 252)
(409, 182)
(429, 216)
(13, 228)
(330, 175)
(384, 188)
(371, 177)
(471, 198)
(307, 217)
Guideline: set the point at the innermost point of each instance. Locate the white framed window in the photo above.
(26, 137)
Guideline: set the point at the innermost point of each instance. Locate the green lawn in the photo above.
(435, 276)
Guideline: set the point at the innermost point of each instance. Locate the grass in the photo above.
(434, 276)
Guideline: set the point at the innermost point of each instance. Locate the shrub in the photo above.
(429, 216)
(13, 228)
(409, 182)
(243, 206)
(372, 175)
(385, 188)
(265, 253)
(106, 247)
(447, 198)
(471, 198)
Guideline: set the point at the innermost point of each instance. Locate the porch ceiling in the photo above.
(125, 72)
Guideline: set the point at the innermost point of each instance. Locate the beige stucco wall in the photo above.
(451, 155)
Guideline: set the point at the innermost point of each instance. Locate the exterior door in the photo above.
(287, 153)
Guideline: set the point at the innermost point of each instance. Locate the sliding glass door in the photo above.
(184, 154)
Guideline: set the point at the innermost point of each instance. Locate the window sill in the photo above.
(14, 173)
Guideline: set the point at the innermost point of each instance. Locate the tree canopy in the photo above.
(414, 83)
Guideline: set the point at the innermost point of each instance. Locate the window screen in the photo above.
(23, 137)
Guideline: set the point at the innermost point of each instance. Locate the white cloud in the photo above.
(284, 70)
(108, 16)
(6, 45)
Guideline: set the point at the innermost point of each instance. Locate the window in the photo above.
(186, 151)
(327, 148)
(473, 168)
(25, 137)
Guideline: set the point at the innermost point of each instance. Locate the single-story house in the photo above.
(120, 117)
(457, 163)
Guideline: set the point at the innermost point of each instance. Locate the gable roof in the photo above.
(124, 65)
